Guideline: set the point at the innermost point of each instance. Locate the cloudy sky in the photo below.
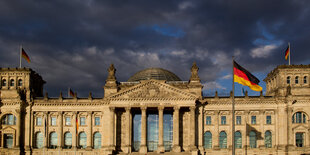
(71, 43)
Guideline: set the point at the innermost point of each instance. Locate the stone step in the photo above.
(155, 153)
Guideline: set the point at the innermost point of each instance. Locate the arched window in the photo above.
(8, 140)
(20, 82)
(288, 80)
(238, 140)
(39, 140)
(82, 140)
(53, 140)
(3, 83)
(68, 140)
(299, 117)
(252, 136)
(223, 140)
(296, 79)
(9, 119)
(305, 79)
(299, 139)
(268, 139)
(97, 140)
(207, 137)
(11, 82)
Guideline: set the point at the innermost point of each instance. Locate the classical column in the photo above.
(200, 129)
(176, 141)
(112, 128)
(143, 148)
(128, 133)
(192, 128)
(160, 130)
(74, 134)
(89, 130)
(60, 130)
(18, 123)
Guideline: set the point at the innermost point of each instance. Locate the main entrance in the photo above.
(152, 133)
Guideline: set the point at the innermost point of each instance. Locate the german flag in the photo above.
(25, 56)
(244, 77)
(287, 52)
(71, 92)
(77, 125)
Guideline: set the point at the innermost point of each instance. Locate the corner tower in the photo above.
(288, 80)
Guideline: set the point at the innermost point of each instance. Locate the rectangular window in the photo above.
(82, 121)
(68, 120)
(299, 139)
(208, 120)
(97, 120)
(238, 119)
(223, 120)
(53, 121)
(253, 119)
(268, 119)
(39, 121)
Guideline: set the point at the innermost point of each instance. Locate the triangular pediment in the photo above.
(8, 129)
(300, 127)
(153, 89)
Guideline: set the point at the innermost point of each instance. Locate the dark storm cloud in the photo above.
(71, 43)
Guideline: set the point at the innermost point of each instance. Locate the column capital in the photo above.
(59, 112)
(89, 113)
(143, 108)
(161, 108)
(112, 108)
(127, 108)
(176, 108)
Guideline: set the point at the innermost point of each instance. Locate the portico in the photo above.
(151, 129)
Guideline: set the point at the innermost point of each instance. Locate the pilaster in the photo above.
(89, 130)
(74, 134)
(60, 130)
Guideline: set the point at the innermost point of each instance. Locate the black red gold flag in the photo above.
(244, 77)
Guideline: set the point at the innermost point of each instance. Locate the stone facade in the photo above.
(33, 123)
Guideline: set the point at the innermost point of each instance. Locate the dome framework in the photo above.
(154, 73)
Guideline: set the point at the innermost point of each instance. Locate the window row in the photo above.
(11, 83)
(288, 79)
(238, 139)
(68, 121)
(53, 140)
(238, 120)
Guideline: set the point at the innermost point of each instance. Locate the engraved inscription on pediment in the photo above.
(152, 91)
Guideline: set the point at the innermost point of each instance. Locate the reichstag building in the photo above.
(155, 112)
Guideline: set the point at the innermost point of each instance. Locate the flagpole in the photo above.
(68, 92)
(289, 54)
(233, 108)
(20, 56)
